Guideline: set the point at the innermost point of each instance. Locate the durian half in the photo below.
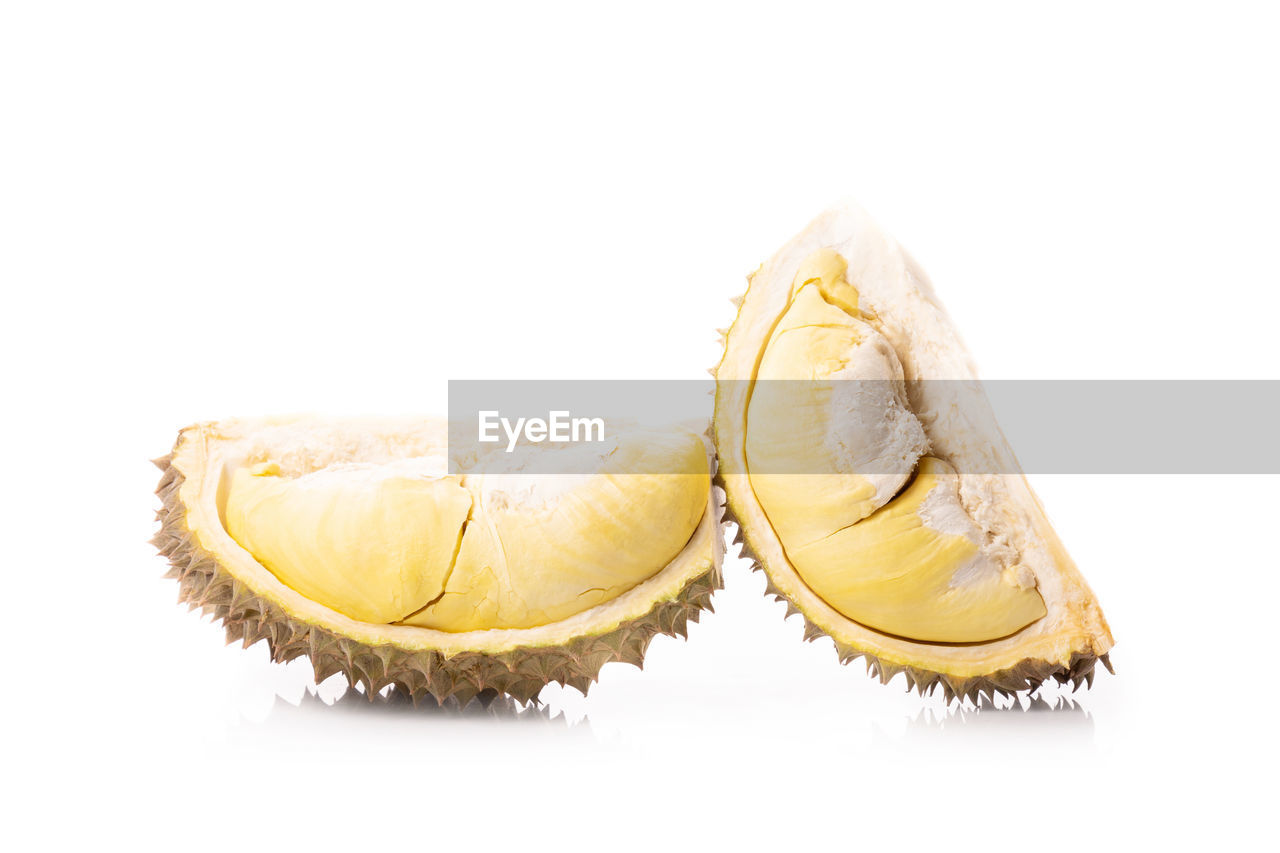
(348, 541)
(850, 471)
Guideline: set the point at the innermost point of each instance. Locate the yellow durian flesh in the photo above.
(824, 451)
(540, 549)
(373, 542)
(903, 572)
(909, 563)
(387, 543)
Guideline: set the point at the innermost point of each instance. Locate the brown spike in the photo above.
(580, 682)
(464, 692)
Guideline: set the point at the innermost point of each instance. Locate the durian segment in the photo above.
(217, 575)
(893, 299)
(829, 436)
(373, 542)
(401, 541)
(540, 549)
(828, 271)
(829, 396)
(916, 568)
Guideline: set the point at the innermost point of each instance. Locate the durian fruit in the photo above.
(886, 507)
(348, 541)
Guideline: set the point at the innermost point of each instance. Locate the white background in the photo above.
(210, 210)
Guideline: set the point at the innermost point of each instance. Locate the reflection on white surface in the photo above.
(990, 726)
(1047, 713)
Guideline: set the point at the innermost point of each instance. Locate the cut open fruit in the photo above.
(349, 541)
(864, 468)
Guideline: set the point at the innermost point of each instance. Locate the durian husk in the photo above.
(1025, 675)
(1065, 649)
(213, 576)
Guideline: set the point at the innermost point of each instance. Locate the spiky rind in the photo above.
(520, 673)
(1026, 675)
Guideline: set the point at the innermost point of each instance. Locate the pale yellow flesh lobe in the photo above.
(465, 553)
(808, 480)
(894, 572)
(380, 546)
(896, 554)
